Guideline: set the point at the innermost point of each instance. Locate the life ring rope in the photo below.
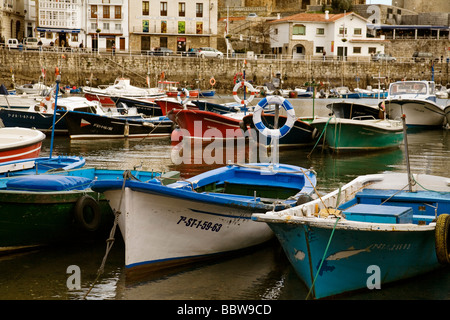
(249, 88)
(274, 133)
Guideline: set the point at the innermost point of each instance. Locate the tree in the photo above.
(341, 5)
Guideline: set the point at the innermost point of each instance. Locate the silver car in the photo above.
(207, 52)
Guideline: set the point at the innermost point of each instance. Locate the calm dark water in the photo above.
(262, 273)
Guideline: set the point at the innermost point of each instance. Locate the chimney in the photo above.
(326, 15)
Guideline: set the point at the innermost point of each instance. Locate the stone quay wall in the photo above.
(76, 69)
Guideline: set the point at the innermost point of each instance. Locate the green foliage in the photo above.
(340, 6)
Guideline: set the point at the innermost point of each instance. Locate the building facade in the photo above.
(177, 25)
(12, 17)
(324, 35)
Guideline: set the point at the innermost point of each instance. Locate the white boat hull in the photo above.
(417, 112)
(161, 231)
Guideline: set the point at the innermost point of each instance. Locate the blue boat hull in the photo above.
(394, 254)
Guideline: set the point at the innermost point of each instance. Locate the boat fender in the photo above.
(186, 94)
(315, 133)
(87, 213)
(249, 88)
(212, 81)
(276, 133)
(242, 126)
(442, 239)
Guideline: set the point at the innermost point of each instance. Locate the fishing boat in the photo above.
(416, 100)
(39, 165)
(207, 93)
(20, 143)
(218, 107)
(301, 134)
(359, 133)
(172, 89)
(199, 124)
(121, 88)
(370, 232)
(86, 125)
(202, 216)
(40, 115)
(447, 115)
(37, 88)
(145, 106)
(57, 207)
(350, 109)
(169, 103)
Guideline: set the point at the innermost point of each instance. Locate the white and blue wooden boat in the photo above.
(378, 231)
(203, 216)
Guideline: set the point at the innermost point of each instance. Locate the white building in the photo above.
(312, 34)
(59, 22)
(107, 20)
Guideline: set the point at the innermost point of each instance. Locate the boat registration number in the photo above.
(199, 224)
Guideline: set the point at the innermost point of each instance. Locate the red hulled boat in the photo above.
(20, 143)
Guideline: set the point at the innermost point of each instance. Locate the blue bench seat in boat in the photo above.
(379, 213)
(48, 183)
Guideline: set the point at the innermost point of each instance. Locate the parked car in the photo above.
(192, 52)
(423, 56)
(31, 43)
(161, 51)
(12, 43)
(207, 52)
(383, 57)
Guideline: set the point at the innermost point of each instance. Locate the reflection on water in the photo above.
(263, 273)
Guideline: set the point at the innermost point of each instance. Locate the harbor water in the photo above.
(261, 273)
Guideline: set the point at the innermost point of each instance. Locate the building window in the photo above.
(181, 9)
(319, 50)
(356, 50)
(145, 26)
(199, 28)
(372, 50)
(145, 8)
(357, 31)
(106, 26)
(299, 30)
(106, 12)
(341, 31)
(163, 9)
(94, 11)
(118, 27)
(199, 10)
(163, 26)
(320, 31)
(118, 12)
(181, 27)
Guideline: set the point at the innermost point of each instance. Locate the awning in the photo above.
(59, 30)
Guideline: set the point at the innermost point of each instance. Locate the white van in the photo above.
(12, 43)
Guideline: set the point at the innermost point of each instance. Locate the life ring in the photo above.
(87, 213)
(46, 105)
(275, 133)
(186, 94)
(442, 238)
(249, 87)
(212, 81)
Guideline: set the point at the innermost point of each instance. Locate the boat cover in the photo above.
(48, 183)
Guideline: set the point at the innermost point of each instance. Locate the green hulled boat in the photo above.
(359, 134)
(47, 209)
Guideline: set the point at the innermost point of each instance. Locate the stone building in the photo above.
(177, 25)
(12, 18)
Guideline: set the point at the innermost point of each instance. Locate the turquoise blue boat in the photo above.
(372, 231)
